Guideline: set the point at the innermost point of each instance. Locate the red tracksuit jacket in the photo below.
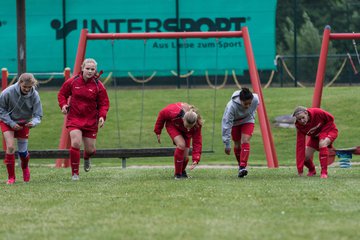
(319, 122)
(172, 115)
(89, 101)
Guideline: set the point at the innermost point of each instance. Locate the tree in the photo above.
(312, 17)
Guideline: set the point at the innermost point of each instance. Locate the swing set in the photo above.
(345, 153)
(85, 36)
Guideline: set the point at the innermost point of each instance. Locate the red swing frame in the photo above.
(266, 134)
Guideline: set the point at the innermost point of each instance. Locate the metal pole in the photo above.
(4, 78)
(320, 74)
(65, 137)
(281, 71)
(268, 141)
(21, 36)
(80, 54)
(164, 35)
(178, 69)
(295, 43)
(123, 163)
(64, 39)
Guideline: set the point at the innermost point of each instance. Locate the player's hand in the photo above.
(101, 122)
(65, 109)
(193, 165)
(228, 151)
(29, 125)
(17, 127)
(158, 138)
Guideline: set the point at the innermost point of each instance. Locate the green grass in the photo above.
(111, 203)
(133, 203)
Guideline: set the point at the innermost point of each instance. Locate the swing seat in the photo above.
(352, 150)
(342, 153)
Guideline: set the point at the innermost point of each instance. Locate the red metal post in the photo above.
(348, 36)
(264, 122)
(219, 34)
(80, 54)
(4, 78)
(316, 102)
(64, 138)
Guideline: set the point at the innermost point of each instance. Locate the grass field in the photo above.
(146, 203)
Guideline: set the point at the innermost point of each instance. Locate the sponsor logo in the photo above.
(149, 25)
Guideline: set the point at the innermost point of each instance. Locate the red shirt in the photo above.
(173, 115)
(89, 101)
(319, 124)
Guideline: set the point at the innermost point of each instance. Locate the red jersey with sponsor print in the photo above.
(319, 125)
(173, 115)
(89, 101)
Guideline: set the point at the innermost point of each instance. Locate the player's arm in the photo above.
(159, 124)
(300, 151)
(197, 147)
(227, 124)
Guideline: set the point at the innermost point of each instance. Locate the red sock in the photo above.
(88, 155)
(323, 156)
(178, 160)
(25, 161)
(75, 160)
(244, 154)
(10, 164)
(237, 154)
(185, 163)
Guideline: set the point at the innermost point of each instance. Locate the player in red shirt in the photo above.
(319, 125)
(183, 123)
(85, 112)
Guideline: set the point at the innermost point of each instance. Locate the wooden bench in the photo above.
(104, 153)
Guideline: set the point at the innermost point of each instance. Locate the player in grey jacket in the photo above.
(238, 122)
(20, 110)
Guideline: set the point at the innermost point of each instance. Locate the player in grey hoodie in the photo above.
(20, 110)
(238, 122)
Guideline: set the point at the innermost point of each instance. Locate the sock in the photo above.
(244, 154)
(10, 164)
(25, 161)
(310, 164)
(323, 157)
(75, 160)
(185, 163)
(237, 154)
(88, 155)
(178, 160)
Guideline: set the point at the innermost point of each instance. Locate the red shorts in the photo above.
(313, 142)
(23, 133)
(85, 133)
(246, 128)
(173, 132)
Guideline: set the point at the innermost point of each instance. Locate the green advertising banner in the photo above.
(52, 34)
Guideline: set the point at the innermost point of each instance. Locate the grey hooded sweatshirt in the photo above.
(16, 107)
(235, 115)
